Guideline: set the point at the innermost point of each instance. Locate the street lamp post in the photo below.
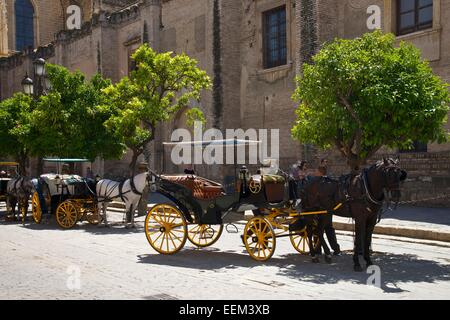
(36, 89)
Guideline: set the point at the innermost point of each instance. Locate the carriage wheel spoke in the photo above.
(161, 234)
(175, 236)
(170, 224)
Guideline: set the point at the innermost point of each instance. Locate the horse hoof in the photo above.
(328, 259)
(357, 268)
(315, 260)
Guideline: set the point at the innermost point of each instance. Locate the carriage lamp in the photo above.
(39, 67)
(243, 173)
(27, 85)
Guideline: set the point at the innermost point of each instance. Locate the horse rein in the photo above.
(367, 192)
(388, 187)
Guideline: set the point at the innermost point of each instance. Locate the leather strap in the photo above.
(133, 187)
(121, 193)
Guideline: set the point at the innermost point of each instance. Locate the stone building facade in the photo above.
(231, 40)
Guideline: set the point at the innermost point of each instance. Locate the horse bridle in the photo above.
(367, 191)
(389, 187)
(152, 178)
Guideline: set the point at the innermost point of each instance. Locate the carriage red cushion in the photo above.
(201, 188)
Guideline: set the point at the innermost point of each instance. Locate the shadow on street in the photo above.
(395, 268)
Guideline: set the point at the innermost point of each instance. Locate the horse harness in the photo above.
(366, 196)
(15, 190)
(122, 194)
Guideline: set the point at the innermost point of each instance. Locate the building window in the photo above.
(274, 33)
(414, 15)
(24, 12)
(416, 147)
(132, 65)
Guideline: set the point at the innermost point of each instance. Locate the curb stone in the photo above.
(401, 232)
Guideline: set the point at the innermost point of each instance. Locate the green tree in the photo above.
(15, 124)
(359, 95)
(161, 86)
(67, 122)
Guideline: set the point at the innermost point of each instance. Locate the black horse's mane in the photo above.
(382, 163)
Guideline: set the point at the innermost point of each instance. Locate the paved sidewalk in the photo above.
(412, 222)
(437, 219)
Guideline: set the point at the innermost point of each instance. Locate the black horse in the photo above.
(317, 194)
(362, 197)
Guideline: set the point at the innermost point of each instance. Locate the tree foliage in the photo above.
(15, 126)
(359, 95)
(161, 86)
(67, 122)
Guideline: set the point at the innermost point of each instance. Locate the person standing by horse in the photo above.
(297, 179)
(322, 171)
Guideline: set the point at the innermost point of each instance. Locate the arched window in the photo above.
(24, 24)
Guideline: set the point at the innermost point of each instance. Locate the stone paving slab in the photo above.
(37, 262)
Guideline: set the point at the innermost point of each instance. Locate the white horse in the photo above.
(130, 191)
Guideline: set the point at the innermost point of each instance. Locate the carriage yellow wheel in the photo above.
(166, 229)
(66, 215)
(36, 208)
(204, 235)
(300, 241)
(259, 239)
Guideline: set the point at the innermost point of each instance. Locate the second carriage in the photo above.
(70, 198)
(198, 206)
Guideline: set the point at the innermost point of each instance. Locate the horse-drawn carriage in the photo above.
(8, 170)
(71, 198)
(12, 187)
(198, 207)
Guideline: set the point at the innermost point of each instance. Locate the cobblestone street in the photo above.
(38, 262)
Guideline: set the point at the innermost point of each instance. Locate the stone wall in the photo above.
(428, 177)
(266, 93)
(225, 37)
(429, 173)
(14, 68)
(50, 17)
(190, 31)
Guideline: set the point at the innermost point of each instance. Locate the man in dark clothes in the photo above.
(329, 229)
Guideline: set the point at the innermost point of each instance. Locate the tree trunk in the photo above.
(354, 162)
(40, 166)
(22, 160)
(132, 167)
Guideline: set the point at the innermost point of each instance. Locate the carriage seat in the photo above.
(202, 189)
(70, 183)
(273, 186)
